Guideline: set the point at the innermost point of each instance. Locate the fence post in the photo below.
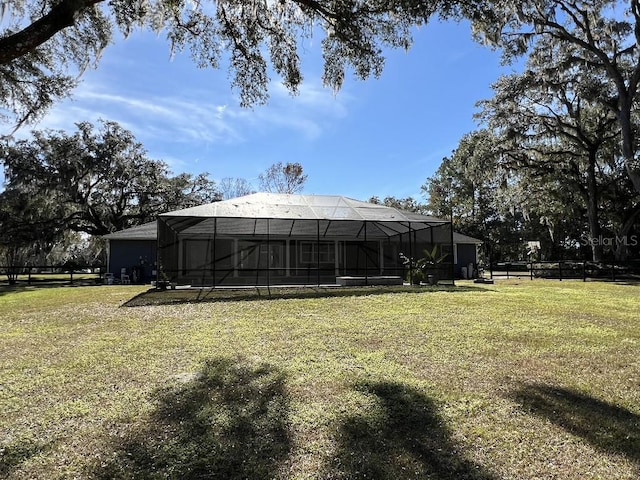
(613, 271)
(531, 270)
(584, 271)
(560, 269)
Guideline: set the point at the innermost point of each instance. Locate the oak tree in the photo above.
(47, 43)
(552, 124)
(100, 179)
(601, 35)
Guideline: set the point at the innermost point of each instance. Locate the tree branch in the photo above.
(61, 16)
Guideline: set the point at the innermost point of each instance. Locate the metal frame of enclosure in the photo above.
(275, 239)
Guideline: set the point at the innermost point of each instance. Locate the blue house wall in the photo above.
(133, 255)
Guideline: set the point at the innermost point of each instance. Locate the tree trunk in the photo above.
(622, 239)
(31, 37)
(592, 208)
(631, 163)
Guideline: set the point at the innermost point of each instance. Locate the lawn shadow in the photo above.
(197, 295)
(15, 454)
(22, 286)
(231, 421)
(402, 437)
(6, 289)
(608, 427)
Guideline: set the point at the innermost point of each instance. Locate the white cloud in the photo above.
(182, 119)
(309, 113)
(189, 116)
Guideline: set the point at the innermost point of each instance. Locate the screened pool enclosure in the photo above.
(278, 239)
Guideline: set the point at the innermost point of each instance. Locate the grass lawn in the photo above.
(517, 380)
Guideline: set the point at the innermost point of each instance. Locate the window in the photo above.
(197, 255)
(312, 252)
(261, 255)
(272, 255)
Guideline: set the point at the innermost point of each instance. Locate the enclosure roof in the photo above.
(302, 207)
(147, 231)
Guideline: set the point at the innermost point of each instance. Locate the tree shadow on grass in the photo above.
(403, 436)
(22, 287)
(15, 454)
(608, 427)
(229, 422)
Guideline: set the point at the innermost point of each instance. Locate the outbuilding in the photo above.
(133, 253)
(465, 249)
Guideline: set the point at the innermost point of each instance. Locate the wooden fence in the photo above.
(48, 274)
(567, 269)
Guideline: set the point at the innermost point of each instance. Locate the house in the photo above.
(281, 239)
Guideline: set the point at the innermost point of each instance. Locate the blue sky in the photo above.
(376, 137)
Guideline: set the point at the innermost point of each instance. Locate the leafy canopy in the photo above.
(48, 43)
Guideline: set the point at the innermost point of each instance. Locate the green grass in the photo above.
(517, 380)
